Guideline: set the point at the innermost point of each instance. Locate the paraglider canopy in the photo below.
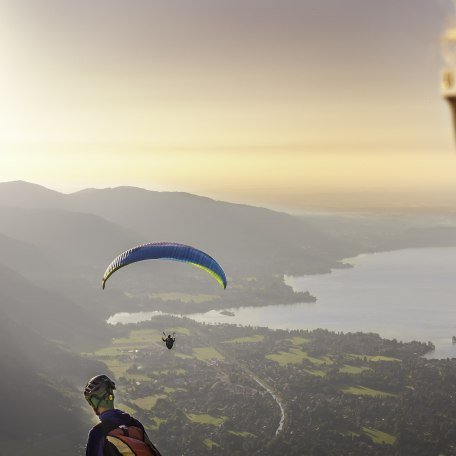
(167, 251)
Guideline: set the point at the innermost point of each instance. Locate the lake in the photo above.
(405, 294)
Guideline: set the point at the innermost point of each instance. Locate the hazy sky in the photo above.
(245, 100)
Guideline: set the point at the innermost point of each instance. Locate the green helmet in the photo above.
(100, 391)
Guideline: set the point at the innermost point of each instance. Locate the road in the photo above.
(276, 398)
(261, 382)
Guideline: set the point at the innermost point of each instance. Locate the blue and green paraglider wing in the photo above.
(167, 251)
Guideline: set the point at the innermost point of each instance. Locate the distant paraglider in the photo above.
(169, 340)
(167, 251)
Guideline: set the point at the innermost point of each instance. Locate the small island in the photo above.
(232, 314)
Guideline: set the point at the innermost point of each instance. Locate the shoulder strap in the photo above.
(107, 427)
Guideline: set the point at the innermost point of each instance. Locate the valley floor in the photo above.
(239, 390)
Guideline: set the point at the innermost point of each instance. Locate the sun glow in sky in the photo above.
(260, 101)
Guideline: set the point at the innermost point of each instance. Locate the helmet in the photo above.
(100, 386)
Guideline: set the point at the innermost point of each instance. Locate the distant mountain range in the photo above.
(74, 236)
(243, 238)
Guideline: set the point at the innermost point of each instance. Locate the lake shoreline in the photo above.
(354, 299)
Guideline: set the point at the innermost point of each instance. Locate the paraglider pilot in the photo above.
(169, 341)
(117, 431)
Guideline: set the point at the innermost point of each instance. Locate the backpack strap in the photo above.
(109, 449)
(107, 426)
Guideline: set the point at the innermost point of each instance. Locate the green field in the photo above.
(182, 356)
(298, 340)
(119, 369)
(137, 339)
(248, 339)
(379, 436)
(158, 422)
(169, 371)
(203, 418)
(169, 390)
(296, 356)
(181, 330)
(210, 443)
(347, 369)
(372, 358)
(207, 353)
(363, 391)
(148, 402)
(316, 372)
(109, 351)
(242, 434)
(127, 346)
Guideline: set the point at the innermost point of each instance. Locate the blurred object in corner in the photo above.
(448, 81)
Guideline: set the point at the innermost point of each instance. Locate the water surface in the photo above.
(405, 294)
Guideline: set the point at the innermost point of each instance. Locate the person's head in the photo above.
(169, 336)
(99, 393)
